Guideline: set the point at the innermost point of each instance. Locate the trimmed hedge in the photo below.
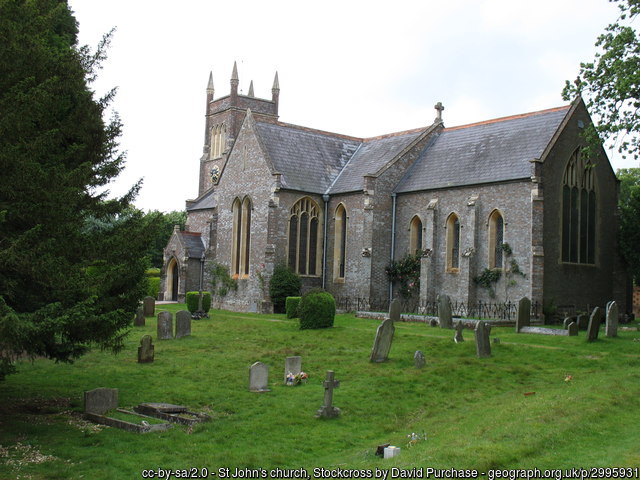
(291, 305)
(192, 301)
(317, 310)
(284, 283)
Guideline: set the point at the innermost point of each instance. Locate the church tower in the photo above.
(223, 119)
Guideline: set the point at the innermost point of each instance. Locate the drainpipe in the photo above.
(393, 238)
(325, 197)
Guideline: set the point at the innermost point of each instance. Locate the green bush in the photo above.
(206, 301)
(317, 310)
(153, 272)
(284, 283)
(153, 286)
(292, 304)
(192, 301)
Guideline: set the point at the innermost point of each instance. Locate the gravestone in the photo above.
(382, 342)
(395, 310)
(165, 326)
(458, 336)
(139, 320)
(328, 410)
(100, 400)
(567, 321)
(582, 321)
(524, 314)
(149, 306)
(419, 359)
(292, 365)
(545, 331)
(594, 324)
(483, 346)
(572, 328)
(611, 326)
(259, 378)
(183, 324)
(444, 311)
(145, 350)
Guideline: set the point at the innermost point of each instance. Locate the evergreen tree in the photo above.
(71, 262)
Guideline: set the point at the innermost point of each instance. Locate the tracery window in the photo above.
(415, 235)
(241, 237)
(218, 140)
(496, 239)
(578, 211)
(453, 243)
(340, 243)
(304, 237)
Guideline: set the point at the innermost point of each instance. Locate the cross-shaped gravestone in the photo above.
(439, 107)
(146, 350)
(328, 410)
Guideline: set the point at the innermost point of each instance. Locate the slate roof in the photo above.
(309, 160)
(495, 150)
(205, 202)
(193, 244)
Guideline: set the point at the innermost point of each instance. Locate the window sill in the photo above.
(453, 270)
(338, 280)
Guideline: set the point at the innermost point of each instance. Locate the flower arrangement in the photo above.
(415, 438)
(297, 379)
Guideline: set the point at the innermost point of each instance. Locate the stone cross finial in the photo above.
(328, 410)
(439, 107)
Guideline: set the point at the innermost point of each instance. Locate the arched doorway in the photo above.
(172, 281)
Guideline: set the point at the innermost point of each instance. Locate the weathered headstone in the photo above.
(183, 323)
(572, 328)
(458, 336)
(582, 321)
(293, 366)
(165, 326)
(594, 324)
(139, 320)
(100, 400)
(391, 451)
(382, 342)
(496, 341)
(524, 314)
(483, 346)
(259, 378)
(145, 350)
(419, 359)
(395, 310)
(149, 306)
(444, 311)
(611, 326)
(328, 410)
(567, 321)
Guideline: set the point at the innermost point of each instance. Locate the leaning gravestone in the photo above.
(395, 310)
(582, 321)
(165, 326)
(611, 326)
(483, 346)
(458, 338)
(444, 311)
(382, 342)
(149, 306)
(259, 378)
(419, 359)
(145, 350)
(100, 400)
(183, 324)
(139, 320)
(524, 314)
(572, 328)
(594, 324)
(292, 365)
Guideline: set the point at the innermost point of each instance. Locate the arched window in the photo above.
(453, 243)
(578, 211)
(496, 239)
(415, 235)
(241, 237)
(340, 243)
(304, 231)
(218, 140)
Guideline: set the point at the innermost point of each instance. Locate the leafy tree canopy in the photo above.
(71, 261)
(164, 223)
(610, 84)
(629, 202)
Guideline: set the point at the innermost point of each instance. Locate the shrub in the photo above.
(292, 304)
(153, 286)
(221, 281)
(153, 272)
(317, 310)
(192, 301)
(284, 283)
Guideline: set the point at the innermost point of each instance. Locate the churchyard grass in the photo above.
(538, 402)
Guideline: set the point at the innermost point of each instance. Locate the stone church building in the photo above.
(336, 208)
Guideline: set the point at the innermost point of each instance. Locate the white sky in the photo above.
(361, 68)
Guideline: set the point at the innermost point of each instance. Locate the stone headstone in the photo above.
(100, 400)
(145, 350)
(496, 341)
(165, 326)
(382, 342)
(292, 365)
(483, 346)
(458, 336)
(524, 314)
(545, 331)
(594, 324)
(582, 321)
(433, 322)
(419, 359)
(259, 378)
(611, 326)
(395, 310)
(149, 306)
(327, 410)
(567, 321)
(138, 321)
(183, 324)
(391, 451)
(572, 328)
(444, 311)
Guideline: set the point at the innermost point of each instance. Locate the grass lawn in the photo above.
(539, 402)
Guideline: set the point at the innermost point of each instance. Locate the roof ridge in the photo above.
(396, 134)
(193, 234)
(507, 118)
(313, 130)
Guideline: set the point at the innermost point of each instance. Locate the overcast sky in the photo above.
(360, 68)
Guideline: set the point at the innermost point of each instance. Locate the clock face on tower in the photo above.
(214, 173)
